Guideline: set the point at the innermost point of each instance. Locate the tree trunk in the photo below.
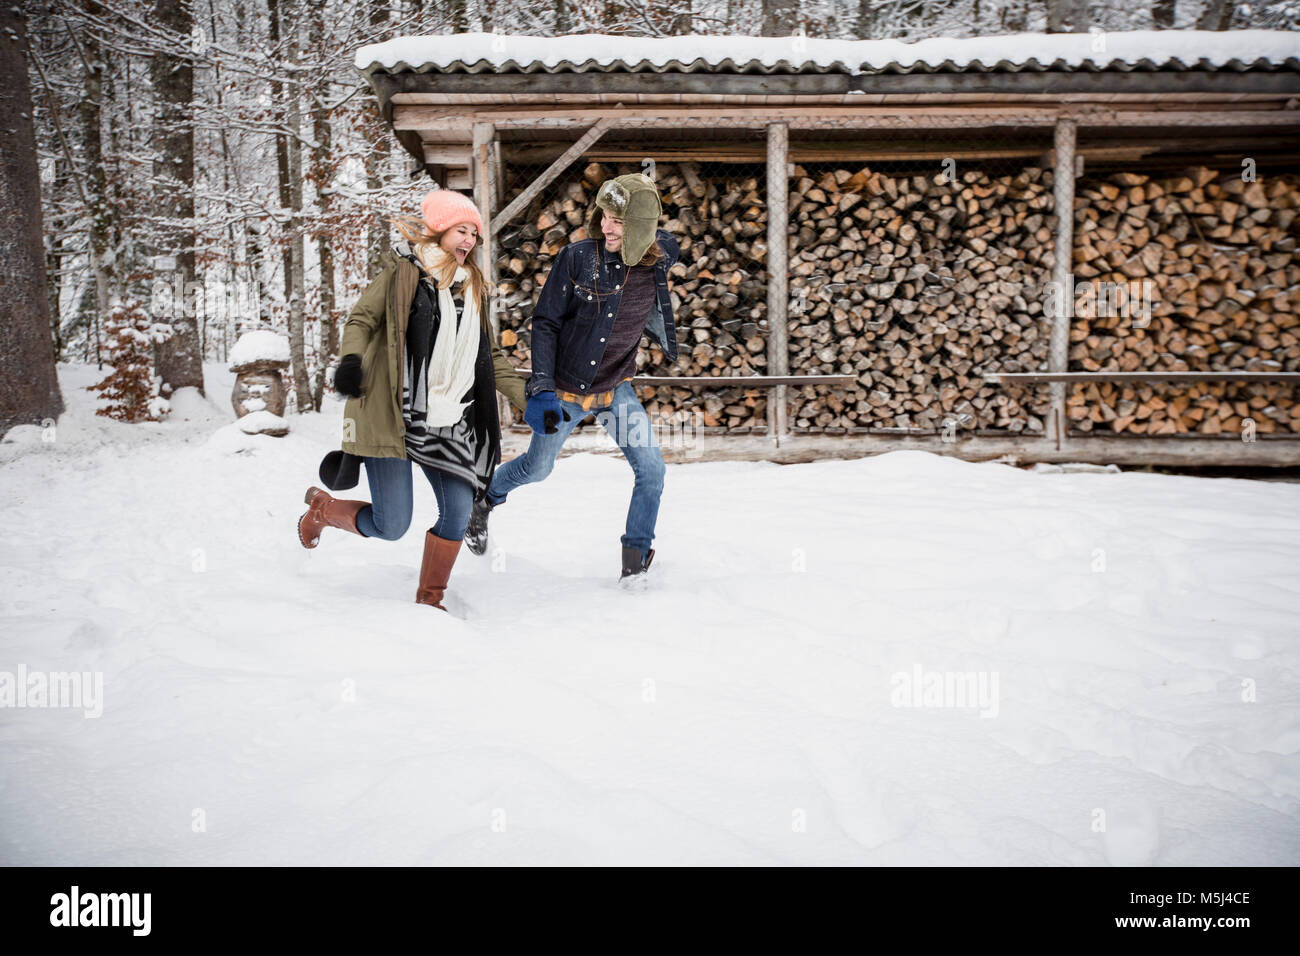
(229, 314)
(1163, 14)
(297, 250)
(289, 163)
(459, 16)
(780, 17)
(179, 359)
(1217, 15)
(376, 159)
(56, 243)
(866, 21)
(322, 175)
(29, 384)
(103, 217)
(1067, 16)
(1014, 17)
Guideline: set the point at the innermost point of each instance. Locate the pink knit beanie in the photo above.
(444, 208)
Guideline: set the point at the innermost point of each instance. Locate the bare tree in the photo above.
(1014, 16)
(375, 158)
(322, 176)
(1067, 16)
(180, 358)
(865, 24)
(780, 17)
(1217, 15)
(29, 385)
(289, 163)
(104, 217)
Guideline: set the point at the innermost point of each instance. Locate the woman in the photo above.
(421, 367)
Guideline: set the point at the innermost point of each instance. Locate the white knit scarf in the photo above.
(451, 365)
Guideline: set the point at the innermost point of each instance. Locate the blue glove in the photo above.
(542, 413)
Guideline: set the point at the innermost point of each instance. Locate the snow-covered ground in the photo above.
(1134, 637)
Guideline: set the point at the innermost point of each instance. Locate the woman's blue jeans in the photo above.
(391, 497)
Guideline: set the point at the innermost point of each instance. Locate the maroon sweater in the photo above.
(619, 360)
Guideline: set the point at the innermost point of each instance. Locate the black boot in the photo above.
(633, 566)
(476, 532)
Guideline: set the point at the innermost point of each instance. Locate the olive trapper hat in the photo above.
(634, 199)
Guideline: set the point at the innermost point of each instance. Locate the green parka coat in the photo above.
(376, 330)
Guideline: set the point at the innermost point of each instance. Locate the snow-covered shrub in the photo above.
(131, 389)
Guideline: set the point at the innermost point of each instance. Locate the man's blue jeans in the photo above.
(389, 514)
(629, 425)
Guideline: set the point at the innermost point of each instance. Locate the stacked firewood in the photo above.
(1194, 271)
(918, 284)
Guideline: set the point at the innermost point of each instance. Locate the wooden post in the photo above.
(485, 175)
(778, 294)
(1059, 352)
(484, 178)
(499, 179)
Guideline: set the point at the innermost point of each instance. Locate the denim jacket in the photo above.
(576, 310)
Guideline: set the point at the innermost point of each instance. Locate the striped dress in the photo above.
(448, 448)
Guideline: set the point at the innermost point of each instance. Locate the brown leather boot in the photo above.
(325, 511)
(435, 569)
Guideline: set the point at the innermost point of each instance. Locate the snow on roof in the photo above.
(1147, 49)
(260, 345)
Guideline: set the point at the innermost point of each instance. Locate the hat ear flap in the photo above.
(637, 237)
(646, 205)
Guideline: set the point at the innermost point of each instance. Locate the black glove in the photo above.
(552, 421)
(347, 379)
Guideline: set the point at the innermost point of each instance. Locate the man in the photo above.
(602, 295)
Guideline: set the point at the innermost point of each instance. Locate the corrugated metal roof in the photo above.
(1130, 51)
(754, 67)
(785, 67)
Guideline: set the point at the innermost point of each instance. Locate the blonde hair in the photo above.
(414, 231)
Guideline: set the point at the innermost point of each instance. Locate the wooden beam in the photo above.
(1174, 153)
(520, 202)
(824, 116)
(1229, 376)
(1267, 157)
(778, 292)
(1266, 451)
(445, 155)
(732, 381)
(745, 381)
(718, 153)
(413, 117)
(1059, 348)
(498, 178)
(484, 174)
